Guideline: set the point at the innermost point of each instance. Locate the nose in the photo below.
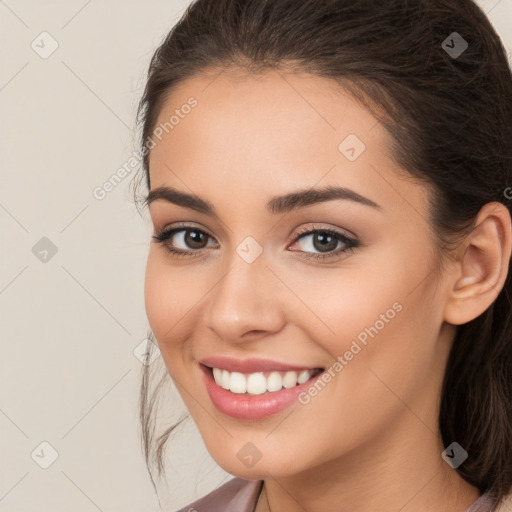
(245, 304)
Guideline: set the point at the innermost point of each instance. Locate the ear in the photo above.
(481, 265)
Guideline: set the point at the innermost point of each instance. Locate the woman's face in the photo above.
(255, 286)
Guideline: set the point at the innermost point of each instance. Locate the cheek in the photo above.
(390, 356)
(376, 317)
(156, 295)
(167, 299)
(387, 292)
(342, 303)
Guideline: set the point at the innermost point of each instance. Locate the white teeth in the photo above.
(304, 376)
(290, 380)
(237, 383)
(274, 381)
(221, 377)
(225, 379)
(256, 383)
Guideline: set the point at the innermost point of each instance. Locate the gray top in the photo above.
(240, 495)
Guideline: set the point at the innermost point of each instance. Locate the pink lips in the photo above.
(250, 365)
(245, 406)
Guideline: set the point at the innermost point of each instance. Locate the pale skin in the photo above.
(370, 439)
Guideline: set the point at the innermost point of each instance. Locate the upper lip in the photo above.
(251, 365)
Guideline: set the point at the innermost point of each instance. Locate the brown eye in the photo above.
(191, 239)
(194, 238)
(325, 242)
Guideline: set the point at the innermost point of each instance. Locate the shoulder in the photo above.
(506, 504)
(236, 495)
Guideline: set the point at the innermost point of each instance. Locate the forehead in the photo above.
(301, 108)
(269, 131)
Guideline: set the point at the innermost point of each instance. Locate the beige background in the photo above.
(69, 325)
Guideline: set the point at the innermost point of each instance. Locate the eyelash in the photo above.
(163, 235)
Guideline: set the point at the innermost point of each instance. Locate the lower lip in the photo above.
(251, 407)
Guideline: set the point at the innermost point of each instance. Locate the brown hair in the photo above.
(450, 118)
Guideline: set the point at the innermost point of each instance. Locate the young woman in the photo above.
(329, 183)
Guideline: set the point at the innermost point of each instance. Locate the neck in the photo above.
(408, 475)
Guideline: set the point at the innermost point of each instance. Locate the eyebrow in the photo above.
(276, 205)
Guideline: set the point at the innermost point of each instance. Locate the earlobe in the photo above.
(482, 267)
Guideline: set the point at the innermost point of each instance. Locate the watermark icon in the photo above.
(508, 193)
(101, 191)
(454, 455)
(351, 147)
(44, 455)
(248, 249)
(249, 454)
(141, 351)
(44, 45)
(44, 250)
(454, 45)
(341, 361)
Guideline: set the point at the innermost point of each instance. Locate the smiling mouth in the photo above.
(258, 383)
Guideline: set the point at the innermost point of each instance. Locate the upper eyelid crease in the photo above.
(306, 231)
(277, 205)
(352, 243)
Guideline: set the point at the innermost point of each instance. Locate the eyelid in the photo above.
(314, 227)
(183, 225)
(351, 242)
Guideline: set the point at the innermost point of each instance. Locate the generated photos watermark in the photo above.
(355, 348)
(101, 191)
